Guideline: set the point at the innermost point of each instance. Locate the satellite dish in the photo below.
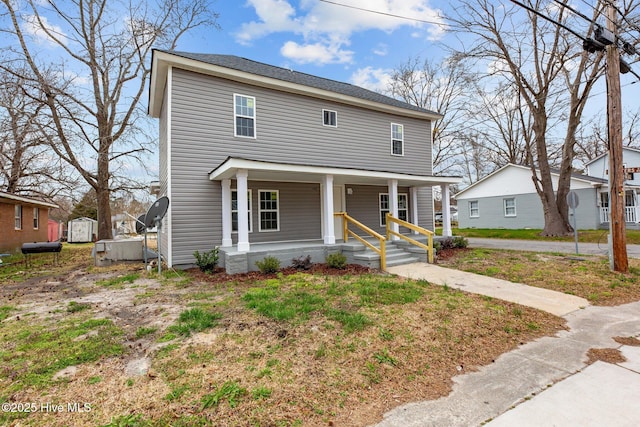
(156, 212)
(140, 226)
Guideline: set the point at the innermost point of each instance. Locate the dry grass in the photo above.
(587, 277)
(355, 346)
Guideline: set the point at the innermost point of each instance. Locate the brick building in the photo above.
(22, 220)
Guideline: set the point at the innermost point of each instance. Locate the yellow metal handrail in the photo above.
(424, 231)
(346, 220)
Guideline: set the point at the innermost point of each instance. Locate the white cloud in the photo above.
(381, 50)
(376, 79)
(317, 53)
(319, 23)
(33, 27)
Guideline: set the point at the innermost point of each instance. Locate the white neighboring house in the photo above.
(507, 199)
(599, 168)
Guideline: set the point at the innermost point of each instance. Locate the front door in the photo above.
(338, 206)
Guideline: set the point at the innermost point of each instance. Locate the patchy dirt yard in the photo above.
(81, 345)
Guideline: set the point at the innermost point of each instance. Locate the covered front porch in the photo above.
(293, 206)
(631, 208)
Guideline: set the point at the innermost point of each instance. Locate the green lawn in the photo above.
(586, 236)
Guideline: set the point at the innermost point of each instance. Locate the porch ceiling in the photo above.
(286, 172)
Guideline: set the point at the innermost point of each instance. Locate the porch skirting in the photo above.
(243, 262)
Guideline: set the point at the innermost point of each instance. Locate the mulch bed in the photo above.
(220, 276)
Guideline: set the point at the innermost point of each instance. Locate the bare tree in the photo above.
(101, 50)
(442, 87)
(591, 139)
(27, 166)
(553, 76)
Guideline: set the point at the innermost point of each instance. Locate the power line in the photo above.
(389, 14)
(577, 12)
(545, 17)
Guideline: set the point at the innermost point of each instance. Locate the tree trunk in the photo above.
(103, 193)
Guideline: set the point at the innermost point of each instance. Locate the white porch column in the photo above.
(243, 208)
(327, 198)
(414, 207)
(446, 211)
(226, 213)
(393, 204)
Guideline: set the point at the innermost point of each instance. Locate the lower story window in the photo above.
(36, 218)
(234, 210)
(18, 217)
(269, 210)
(474, 210)
(385, 207)
(510, 207)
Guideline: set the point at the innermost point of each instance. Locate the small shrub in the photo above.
(269, 264)
(460, 242)
(337, 260)
(301, 263)
(207, 261)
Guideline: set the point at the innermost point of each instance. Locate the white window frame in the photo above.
(383, 212)
(236, 115)
(473, 203)
(504, 204)
(17, 216)
(276, 210)
(394, 138)
(330, 113)
(36, 218)
(249, 210)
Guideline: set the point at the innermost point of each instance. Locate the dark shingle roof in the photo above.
(266, 70)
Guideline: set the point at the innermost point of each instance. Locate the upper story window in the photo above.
(330, 118)
(397, 139)
(245, 115)
(510, 207)
(36, 218)
(474, 210)
(18, 217)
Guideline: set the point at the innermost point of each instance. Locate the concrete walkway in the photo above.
(543, 383)
(553, 302)
(546, 382)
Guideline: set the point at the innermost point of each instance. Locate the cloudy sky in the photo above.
(332, 38)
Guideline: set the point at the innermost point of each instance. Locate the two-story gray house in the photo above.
(256, 158)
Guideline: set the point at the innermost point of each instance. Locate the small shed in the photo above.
(54, 230)
(82, 230)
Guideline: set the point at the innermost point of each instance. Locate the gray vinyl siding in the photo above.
(299, 211)
(364, 205)
(425, 208)
(164, 175)
(529, 213)
(289, 128)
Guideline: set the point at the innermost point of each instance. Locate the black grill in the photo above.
(41, 247)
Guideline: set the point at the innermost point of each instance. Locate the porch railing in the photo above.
(346, 232)
(428, 247)
(630, 213)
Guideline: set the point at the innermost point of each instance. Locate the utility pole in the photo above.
(617, 217)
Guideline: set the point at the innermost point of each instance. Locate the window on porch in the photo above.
(385, 208)
(269, 210)
(234, 210)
